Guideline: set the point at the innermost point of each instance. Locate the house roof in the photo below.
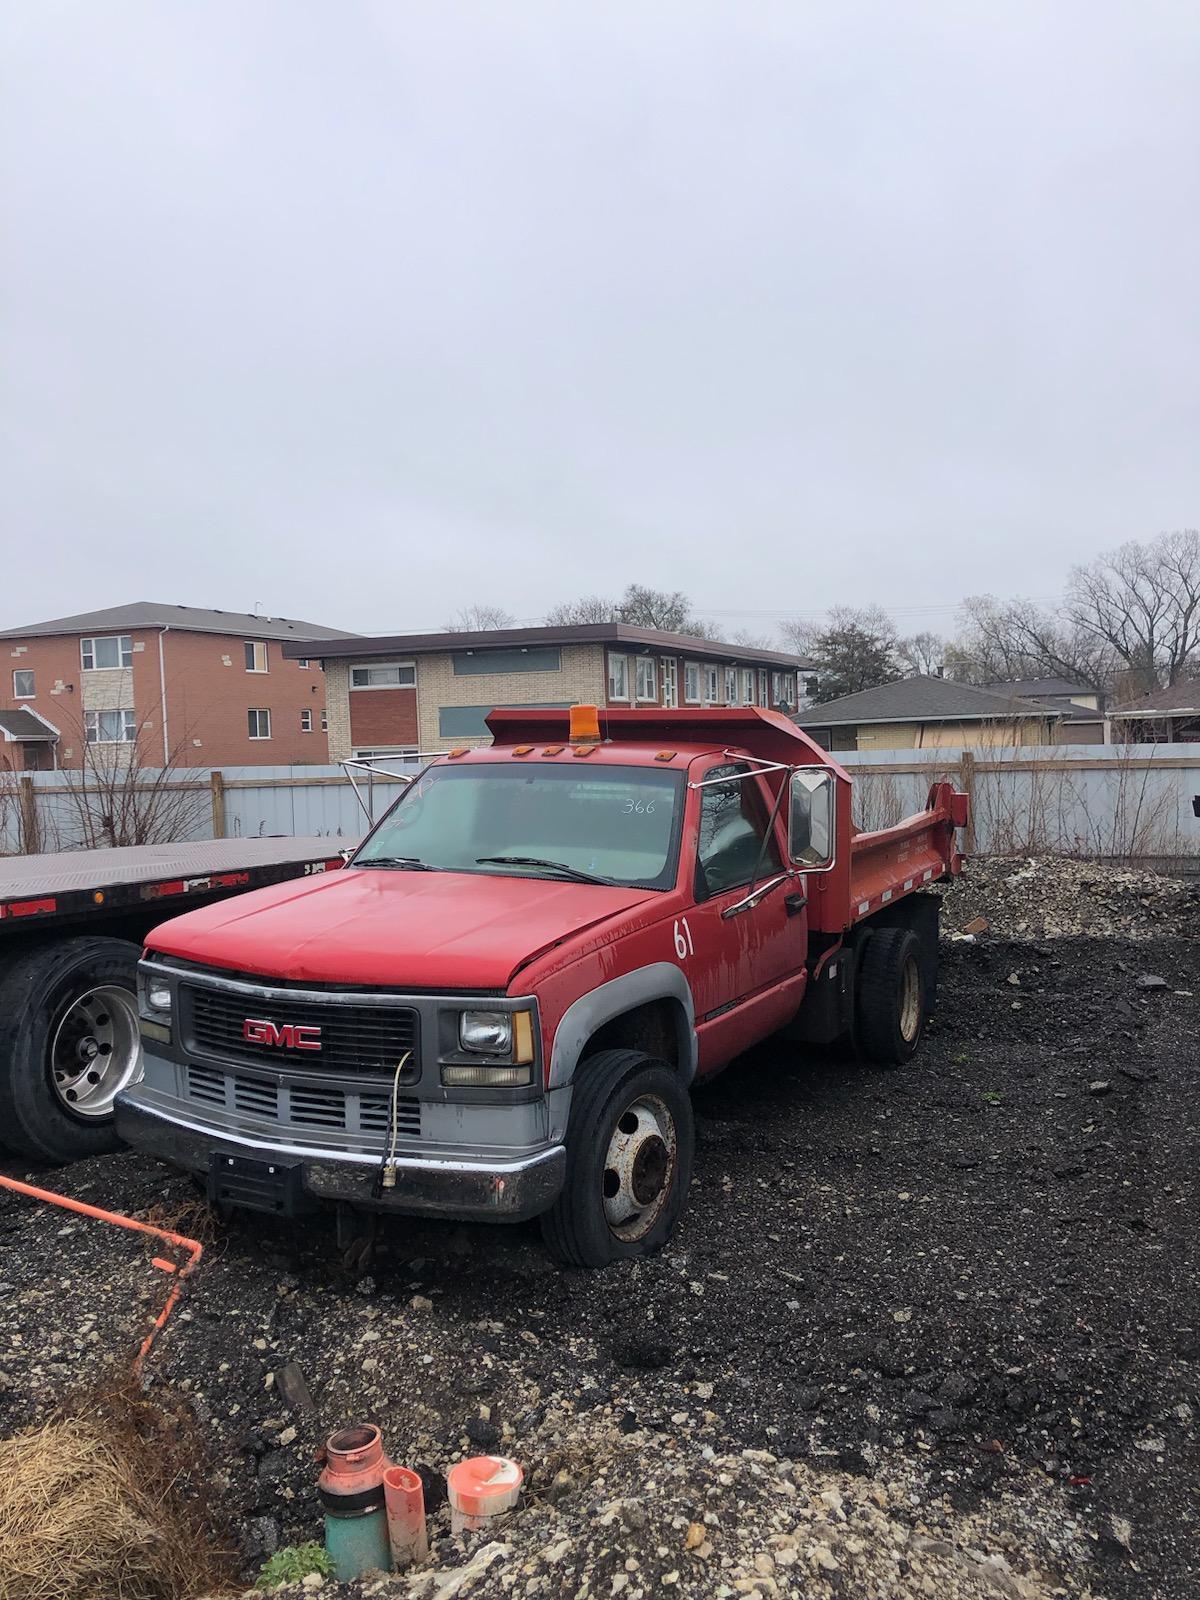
(25, 727)
(1178, 699)
(922, 699)
(1033, 688)
(618, 633)
(184, 619)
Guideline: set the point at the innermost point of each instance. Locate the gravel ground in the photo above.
(932, 1332)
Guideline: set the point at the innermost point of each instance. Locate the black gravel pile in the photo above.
(965, 1285)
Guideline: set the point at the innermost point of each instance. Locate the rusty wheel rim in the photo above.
(639, 1168)
(910, 1000)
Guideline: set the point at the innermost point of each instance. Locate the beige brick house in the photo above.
(399, 694)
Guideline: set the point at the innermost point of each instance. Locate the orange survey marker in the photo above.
(193, 1248)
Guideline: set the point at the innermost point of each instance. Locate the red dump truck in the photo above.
(497, 1009)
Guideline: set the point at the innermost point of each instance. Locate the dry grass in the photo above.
(105, 1502)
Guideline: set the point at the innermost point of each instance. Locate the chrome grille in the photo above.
(307, 1105)
(353, 1038)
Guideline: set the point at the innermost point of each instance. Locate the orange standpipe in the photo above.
(193, 1248)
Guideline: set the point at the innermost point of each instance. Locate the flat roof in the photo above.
(608, 633)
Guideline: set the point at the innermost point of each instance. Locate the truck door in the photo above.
(745, 962)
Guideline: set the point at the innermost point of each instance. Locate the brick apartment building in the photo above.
(396, 695)
(185, 686)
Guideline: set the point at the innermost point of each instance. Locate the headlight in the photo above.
(487, 1033)
(154, 996)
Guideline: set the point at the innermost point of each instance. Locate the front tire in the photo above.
(891, 996)
(630, 1141)
(68, 1044)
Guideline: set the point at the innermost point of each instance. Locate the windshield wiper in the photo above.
(401, 863)
(564, 867)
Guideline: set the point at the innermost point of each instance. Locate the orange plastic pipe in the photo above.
(193, 1248)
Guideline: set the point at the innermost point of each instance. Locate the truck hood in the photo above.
(403, 930)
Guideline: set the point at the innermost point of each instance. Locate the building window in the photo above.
(23, 684)
(394, 752)
(670, 672)
(258, 724)
(384, 675)
(302, 661)
(691, 682)
(618, 677)
(515, 658)
(763, 698)
(115, 650)
(646, 678)
(109, 727)
(470, 722)
(747, 686)
(731, 686)
(256, 655)
(712, 685)
(306, 721)
(324, 720)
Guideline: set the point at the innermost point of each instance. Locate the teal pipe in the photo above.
(358, 1542)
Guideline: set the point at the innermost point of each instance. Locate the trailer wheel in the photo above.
(629, 1161)
(891, 996)
(68, 1043)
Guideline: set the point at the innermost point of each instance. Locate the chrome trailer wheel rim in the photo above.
(910, 1000)
(639, 1168)
(96, 1050)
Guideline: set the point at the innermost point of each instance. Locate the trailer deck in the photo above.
(69, 884)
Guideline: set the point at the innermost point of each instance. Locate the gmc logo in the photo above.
(291, 1036)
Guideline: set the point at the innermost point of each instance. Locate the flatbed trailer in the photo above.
(72, 925)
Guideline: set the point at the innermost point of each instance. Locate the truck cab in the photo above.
(497, 1009)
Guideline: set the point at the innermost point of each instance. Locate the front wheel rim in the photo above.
(910, 1000)
(96, 1051)
(640, 1166)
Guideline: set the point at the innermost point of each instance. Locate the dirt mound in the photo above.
(1051, 897)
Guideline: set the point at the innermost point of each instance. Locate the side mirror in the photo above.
(811, 836)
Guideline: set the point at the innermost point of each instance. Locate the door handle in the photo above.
(794, 904)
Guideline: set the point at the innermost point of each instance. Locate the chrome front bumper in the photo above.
(498, 1190)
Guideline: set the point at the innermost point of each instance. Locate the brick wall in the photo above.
(208, 693)
(383, 717)
(580, 678)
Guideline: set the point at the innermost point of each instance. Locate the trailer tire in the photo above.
(630, 1140)
(891, 997)
(67, 1009)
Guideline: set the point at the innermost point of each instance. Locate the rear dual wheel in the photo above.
(891, 996)
(629, 1161)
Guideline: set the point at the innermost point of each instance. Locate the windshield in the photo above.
(614, 824)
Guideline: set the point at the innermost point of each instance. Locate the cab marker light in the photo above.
(554, 749)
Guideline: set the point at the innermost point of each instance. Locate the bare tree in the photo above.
(118, 797)
(590, 608)
(479, 618)
(922, 654)
(1002, 641)
(1142, 602)
(670, 611)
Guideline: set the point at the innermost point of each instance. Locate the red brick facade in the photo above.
(382, 718)
(208, 697)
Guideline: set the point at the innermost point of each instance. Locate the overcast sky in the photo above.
(366, 310)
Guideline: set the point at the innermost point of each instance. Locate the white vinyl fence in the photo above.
(1126, 802)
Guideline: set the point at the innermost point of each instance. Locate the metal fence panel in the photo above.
(1106, 800)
